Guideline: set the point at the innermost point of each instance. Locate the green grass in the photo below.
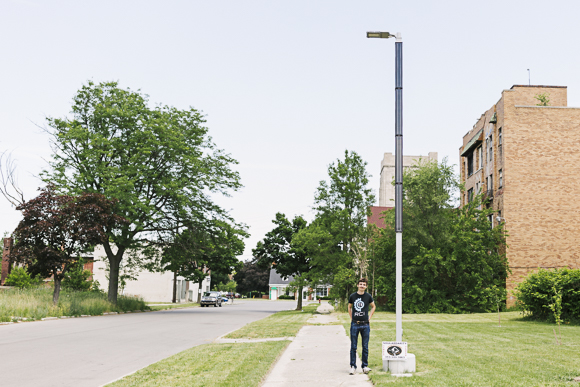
(281, 324)
(37, 303)
(240, 364)
(471, 350)
(235, 365)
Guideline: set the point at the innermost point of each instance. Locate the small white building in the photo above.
(152, 287)
(279, 286)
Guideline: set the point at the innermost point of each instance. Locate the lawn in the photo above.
(227, 365)
(282, 324)
(471, 350)
(240, 364)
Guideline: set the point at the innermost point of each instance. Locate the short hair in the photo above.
(363, 280)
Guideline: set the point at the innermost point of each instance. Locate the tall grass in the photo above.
(37, 303)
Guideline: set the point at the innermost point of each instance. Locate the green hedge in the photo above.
(539, 289)
(284, 297)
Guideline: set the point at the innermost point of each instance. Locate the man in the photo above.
(360, 323)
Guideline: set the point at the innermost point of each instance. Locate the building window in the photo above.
(470, 164)
(470, 195)
(480, 157)
(490, 219)
(490, 183)
(490, 146)
(322, 292)
(500, 178)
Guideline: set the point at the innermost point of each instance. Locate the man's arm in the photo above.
(372, 310)
(350, 311)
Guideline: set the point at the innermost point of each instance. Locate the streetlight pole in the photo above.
(398, 176)
(405, 363)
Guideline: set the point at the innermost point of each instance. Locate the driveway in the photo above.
(93, 351)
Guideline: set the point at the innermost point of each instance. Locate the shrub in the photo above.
(536, 294)
(20, 278)
(77, 278)
(285, 297)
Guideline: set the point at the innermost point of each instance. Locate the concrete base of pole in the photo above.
(399, 367)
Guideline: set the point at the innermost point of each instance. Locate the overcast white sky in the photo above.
(286, 86)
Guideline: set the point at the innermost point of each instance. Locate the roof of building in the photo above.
(546, 86)
(376, 217)
(276, 279)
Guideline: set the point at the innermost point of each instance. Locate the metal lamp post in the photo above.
(398, 173)
(408, 365)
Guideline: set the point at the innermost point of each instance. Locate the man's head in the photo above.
(362, 284)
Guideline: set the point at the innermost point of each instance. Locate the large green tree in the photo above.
(278, 251)
(342, 205)
(158, 162)
(452, 258)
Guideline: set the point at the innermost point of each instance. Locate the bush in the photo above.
(285, 297)
(77, 278)
(20, 278)
(537, 292)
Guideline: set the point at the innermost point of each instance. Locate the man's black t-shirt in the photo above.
(360, 306)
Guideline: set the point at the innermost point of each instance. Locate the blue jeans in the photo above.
(365, 332)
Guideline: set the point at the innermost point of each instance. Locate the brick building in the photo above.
(526, 159)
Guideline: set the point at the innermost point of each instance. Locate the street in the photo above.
(94, 351)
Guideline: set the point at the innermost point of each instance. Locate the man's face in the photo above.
(362, 286)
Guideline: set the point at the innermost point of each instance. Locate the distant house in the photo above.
(280, 286)
(152, 287)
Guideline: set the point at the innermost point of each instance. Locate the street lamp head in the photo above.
(381, 35)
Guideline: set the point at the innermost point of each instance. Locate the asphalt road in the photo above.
(93, 351)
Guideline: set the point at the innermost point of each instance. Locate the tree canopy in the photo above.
(342, 205)
(158, 162)
(194, 252)
(56, 229)
(452, 258)
(251, 277)
(277, 251)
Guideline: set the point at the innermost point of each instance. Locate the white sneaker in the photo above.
(352, 370)
(366, 370)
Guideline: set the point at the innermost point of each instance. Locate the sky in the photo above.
(286, 86)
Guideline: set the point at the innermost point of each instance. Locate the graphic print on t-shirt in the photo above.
(360, 304)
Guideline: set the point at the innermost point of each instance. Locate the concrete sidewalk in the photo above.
(318, 356)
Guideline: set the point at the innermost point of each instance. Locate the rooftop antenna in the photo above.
(529, 83)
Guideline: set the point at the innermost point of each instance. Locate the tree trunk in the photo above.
(114, 264)
(299, 306)
(174, 287)
(56, 293)
(374, 292)
(198, 291)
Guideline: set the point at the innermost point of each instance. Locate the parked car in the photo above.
(225, 299)
(211, 298)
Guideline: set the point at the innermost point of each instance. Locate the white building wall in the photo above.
(152, 287)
